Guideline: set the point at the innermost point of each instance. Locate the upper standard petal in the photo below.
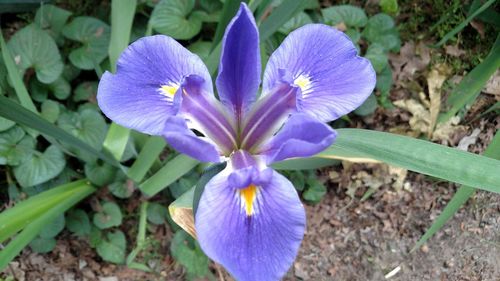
(324, 63)
(149, 72)
(239, 68)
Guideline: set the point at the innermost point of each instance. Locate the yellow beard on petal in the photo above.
(248, 195)
(169, 90)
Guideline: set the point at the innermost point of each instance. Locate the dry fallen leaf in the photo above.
(435, 80)
(492, 87)
(454, 51)
(466, 141)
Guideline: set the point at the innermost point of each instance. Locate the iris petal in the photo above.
(180, 137)
(301, 136)
(257, 242)
(323, 62)
(239, 69)
(141, 93)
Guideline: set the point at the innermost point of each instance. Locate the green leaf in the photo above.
(280, 15)
(51, 19)
(171, 172)
(53, 228)
(351, 16)
(6, 124)
(87, 125)
(15, 112)
(43, 245)
(389, 6)
(99, 173)
(94, 34)
(461, 196)
(210, 5)
(149, 153)
(31, 216)
(381, 29)
(420, 156)
(157, 213)
(353, 34)
(315, 190)
(304, 163)
(50, 110)
(32, 47)
(297, 21)
(15, 78)
(470, 86)
(377, 56)
(15, 146)
(40, 167)
(85, 91)
(109, 216)
(368, 107)
(112, 248)
(60, 88)
(170, 17)
(384, 79)
(201, 48)
(122, 189)
(188, 253)
(122, 16)
(77, 221)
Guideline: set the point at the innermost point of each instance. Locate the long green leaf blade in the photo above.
(122, 17)
(15, 112)
(149, 153)
(15, 78)
(285, 11)
(470, 86)
(169, 173)
(16, 218)
(461, 196)
(423, 157)
(29, 233)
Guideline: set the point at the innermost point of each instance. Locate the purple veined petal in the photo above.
(149, 73)
(239, 69)
(247, 169)
(182, 139)
(324, 63)
(301, 136)
(268, 114)
(205, 114)
(254, 232)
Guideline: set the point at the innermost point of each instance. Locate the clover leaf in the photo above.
(109, 216)
(351, 16)
(170, 17)
(40, 167)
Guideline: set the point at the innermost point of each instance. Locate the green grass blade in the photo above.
(228, 11)
(15, 112)
(422, 157)
(72, 197)
(463, 24)
(15, 78)
(116, 140)
(16, 218)
(280, 16)
(149, 153)
(122, 17)
(470, 86)
(461, 196)
(168, 174)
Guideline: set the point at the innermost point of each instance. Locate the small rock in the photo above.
(424, 249)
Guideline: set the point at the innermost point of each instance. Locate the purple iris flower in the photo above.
(249, 218)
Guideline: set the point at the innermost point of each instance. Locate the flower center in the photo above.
(248, 195)
(169, 90)
(303, 82)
